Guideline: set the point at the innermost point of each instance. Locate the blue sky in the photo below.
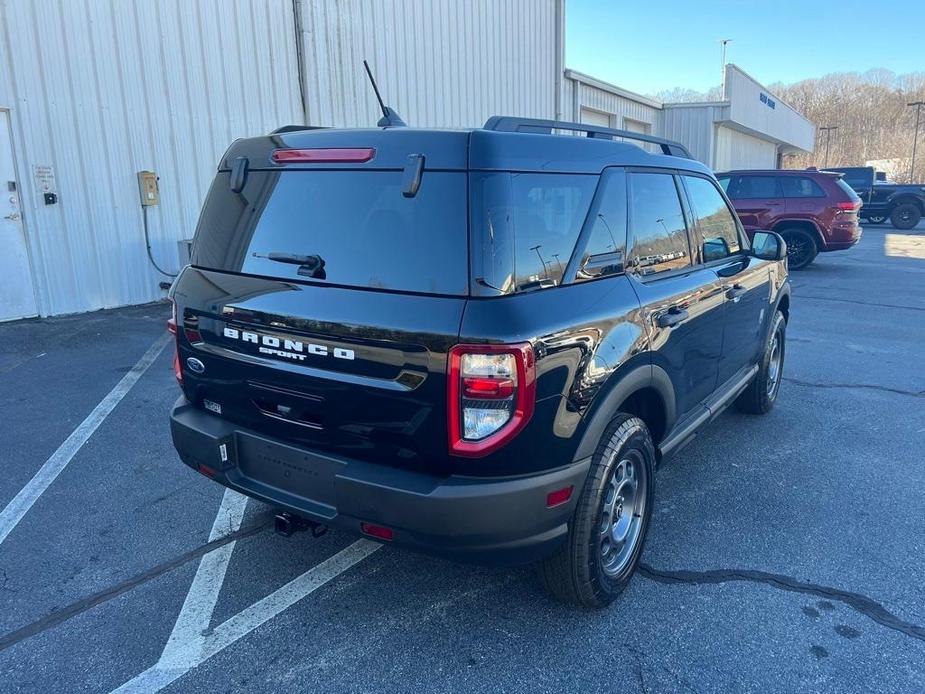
(653, 45)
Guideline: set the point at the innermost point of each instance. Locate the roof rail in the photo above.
(512, 124)
(294, 128)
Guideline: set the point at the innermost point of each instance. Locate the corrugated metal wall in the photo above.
(618, 107)
(439, 63)
(694, 127)
(738, 150)
(100, 90)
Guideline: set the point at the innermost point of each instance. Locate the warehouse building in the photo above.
(113, 115)
(749, 128)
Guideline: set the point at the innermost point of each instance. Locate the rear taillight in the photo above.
(491, 392)
(848, 206)
(352, 155)
(172, 327)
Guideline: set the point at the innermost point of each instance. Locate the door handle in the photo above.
(672, 316)
(735, 292)
(13, 216)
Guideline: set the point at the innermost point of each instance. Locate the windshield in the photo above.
(352, 228)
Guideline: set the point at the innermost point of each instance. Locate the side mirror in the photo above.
(768, 245)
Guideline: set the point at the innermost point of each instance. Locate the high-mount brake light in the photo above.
(352, 155)
(491, 393)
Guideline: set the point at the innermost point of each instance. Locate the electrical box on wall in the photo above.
(147, 188)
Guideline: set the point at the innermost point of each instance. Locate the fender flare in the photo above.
(625, 384)
(903, 197)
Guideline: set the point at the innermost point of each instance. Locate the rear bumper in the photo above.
(485, 520)
(842, 238)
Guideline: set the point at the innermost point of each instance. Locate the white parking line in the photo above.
(28, 495)
(178, 659)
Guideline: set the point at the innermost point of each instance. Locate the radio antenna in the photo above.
(389, 119)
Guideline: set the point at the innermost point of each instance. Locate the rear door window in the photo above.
(282, 224)
(717, 232)
(657, 224)
(754, 188)
(800, 187)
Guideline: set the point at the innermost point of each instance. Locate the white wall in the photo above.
(100, 90)
(438, 63)
(738, 150)
(693, 126)
(754, 107)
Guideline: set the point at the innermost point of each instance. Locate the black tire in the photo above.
(801, 247)
(761, 393)
(877, 219)
(582, 572)
(905, 215)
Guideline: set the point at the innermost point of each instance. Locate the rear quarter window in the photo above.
(800, 187)
(525, 226)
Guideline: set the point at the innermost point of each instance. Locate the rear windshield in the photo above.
(840, 182)
(358, 222)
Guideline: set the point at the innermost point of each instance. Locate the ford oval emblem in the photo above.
(196, 366)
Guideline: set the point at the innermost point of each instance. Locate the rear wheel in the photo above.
(801, 248)
(761, 393)
(905, 215)
(607, 532)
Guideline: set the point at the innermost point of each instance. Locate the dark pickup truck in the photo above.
(902, 204)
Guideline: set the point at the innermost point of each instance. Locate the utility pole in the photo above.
(828, 134)
(918, 113)
(723, 43)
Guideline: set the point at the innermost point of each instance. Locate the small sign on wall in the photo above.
(45, 181)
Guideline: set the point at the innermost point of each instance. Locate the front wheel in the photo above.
(761, 393)
(801, 248)
(607, 532)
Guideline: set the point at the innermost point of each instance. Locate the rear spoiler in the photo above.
(512, 124)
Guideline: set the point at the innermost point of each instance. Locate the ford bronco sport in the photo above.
(472, 343)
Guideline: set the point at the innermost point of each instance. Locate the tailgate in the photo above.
(358, 373)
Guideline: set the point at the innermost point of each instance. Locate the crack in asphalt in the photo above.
(862, 303)
(860, 603)
(868, 386)
(65, 613)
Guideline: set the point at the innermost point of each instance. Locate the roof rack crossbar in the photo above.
(513, 124)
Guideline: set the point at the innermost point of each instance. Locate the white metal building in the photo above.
(92, 93)
(749, 128)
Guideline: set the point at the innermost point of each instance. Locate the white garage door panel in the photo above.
(736, 150)
(592, 117)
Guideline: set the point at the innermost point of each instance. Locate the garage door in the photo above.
(595, 117)
(736, 150)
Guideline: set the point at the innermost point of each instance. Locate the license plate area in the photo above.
(294, 471)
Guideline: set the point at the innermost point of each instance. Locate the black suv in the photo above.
(472, 343)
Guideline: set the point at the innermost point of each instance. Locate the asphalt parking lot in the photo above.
(787, 553)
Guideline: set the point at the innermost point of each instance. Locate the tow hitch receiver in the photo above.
(286, 524)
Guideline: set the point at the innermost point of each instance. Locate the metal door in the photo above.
(17, 293)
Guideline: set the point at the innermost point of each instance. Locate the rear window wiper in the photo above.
(309, 265)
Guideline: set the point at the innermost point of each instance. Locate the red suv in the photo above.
(815, 211)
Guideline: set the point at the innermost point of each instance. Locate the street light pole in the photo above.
(828, 134)
(918, 113)
(723, 43)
